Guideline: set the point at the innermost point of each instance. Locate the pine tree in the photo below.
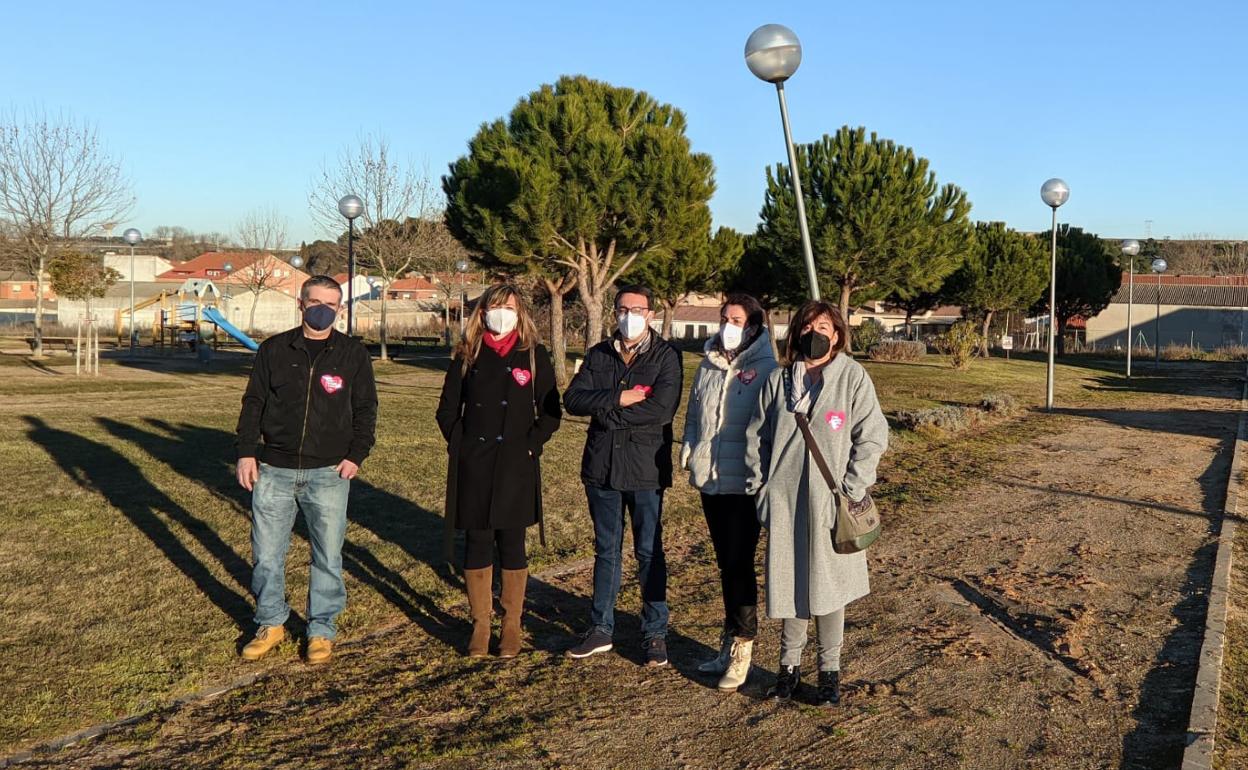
(1005, 269)
(580, 181)
(878, 221)
(700, 265)
(1088, 274)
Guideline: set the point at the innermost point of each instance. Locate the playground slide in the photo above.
(212, 315)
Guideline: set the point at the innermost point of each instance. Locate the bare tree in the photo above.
(443, 253)
(402, 211)
(58, 183)
(261, 233)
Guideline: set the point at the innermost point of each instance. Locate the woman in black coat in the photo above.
(499, 406)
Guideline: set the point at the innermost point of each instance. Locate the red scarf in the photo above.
(503, 345)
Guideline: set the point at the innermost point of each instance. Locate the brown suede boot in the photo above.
(514, 582)
(481, 606)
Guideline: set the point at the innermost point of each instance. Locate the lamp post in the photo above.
(350, 206)
(461, 267)
(1159, 267)
(773, 54)
(228, 296)
(1130, 249)
(132, 236)
(1054, 193)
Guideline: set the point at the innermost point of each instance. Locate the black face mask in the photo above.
(814, 345)
(319, 317)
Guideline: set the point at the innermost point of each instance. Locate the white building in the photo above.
(146, 266)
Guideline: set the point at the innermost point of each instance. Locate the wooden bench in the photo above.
(68, 344)
(415, 340)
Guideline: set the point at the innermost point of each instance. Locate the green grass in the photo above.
(124, 568)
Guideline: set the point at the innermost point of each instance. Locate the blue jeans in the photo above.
(606, 508)
(278, 495)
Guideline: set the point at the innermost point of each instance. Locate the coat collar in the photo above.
(297, 339)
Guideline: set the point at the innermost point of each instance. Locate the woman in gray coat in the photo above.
(721, 403)
(805, 577)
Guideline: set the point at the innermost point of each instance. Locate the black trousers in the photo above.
(479, 548)
(733, 522)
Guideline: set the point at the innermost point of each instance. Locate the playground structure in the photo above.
(182, 312)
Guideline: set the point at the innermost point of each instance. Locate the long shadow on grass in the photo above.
(1165, 698)
(99, 467)
(204, 455)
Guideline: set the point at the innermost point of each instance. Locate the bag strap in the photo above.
(813, 448)
(541, 519)
(533, 379)
(808, 436)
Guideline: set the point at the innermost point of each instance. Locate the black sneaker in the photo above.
(829, 689)
(595, 641)
(787, 680)
(656, 651)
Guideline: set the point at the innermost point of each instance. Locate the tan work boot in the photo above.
(266, 638)
(320, 650)
(481, 606)
(514, 583)
(738, 665)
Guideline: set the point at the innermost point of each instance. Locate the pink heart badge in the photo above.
(521, 376)
(836, 420)
(747, 377)
(332, 383)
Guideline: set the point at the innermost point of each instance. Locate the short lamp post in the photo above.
(1054, 193)
(1159, 267)
(351, 207)
(1130, 250)
(773, 54)
(132, 236)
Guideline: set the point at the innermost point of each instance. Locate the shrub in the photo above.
(1174, 352)
(867, 334)
(937, 419)
(1230, 353)
(897, 350)
(999, 403)
(959, 343)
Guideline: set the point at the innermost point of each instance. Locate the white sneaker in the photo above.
(719, 663)
(738, 665)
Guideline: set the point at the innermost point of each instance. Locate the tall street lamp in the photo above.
(350, 206)
(461, 267)
(773, 54)
(1130, 249)
(132, 236)
(1159, 267)
(1054, 193)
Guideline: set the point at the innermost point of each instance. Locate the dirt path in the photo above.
(1049, 616)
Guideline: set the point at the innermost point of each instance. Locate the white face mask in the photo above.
(500, 320)
(730, 336)
(630, 326)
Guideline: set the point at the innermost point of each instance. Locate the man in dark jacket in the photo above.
(307, 424)
(630, 385)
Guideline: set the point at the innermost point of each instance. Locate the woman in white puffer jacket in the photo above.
(721, 404)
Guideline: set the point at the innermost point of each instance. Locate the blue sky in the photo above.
(222, 107)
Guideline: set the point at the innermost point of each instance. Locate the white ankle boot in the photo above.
(719, 663)
(738, 665)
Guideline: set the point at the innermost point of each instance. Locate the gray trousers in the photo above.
(830, 631)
